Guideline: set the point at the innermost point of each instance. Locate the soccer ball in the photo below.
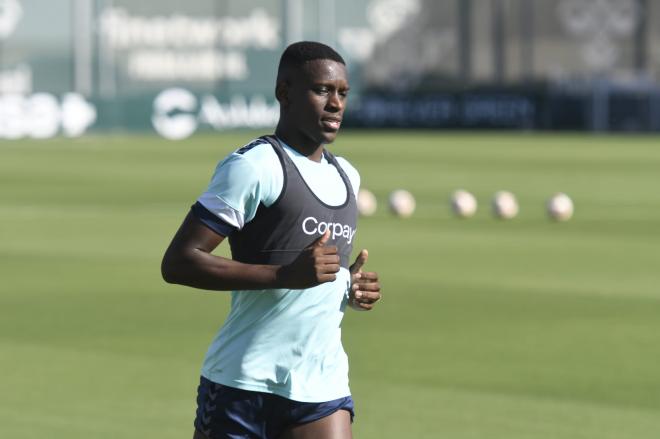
(560, 207)
(366, 202)
(463, 203)
(505, 205)
(402, 203)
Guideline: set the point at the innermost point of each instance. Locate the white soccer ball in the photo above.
(505, 205)
(560, 207)
(463, 203)
(402, 203)
(366, 202)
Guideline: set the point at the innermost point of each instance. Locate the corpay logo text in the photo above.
(312, 226)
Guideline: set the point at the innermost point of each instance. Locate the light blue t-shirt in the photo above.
(286, 342)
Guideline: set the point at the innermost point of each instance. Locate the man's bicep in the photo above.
(189, 251)
(194, 234)
(219, 222)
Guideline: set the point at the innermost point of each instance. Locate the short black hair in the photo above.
(297, 54)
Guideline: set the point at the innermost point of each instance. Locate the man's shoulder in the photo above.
(252, 170)
(351, 172)
(344, 163)
(258, 152)
(258, 143)
(347, 166)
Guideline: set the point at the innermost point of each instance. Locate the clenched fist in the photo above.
(365, 288)
(315, 265)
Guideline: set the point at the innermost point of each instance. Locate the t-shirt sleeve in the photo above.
(352, 174)
(240, 183)
(232, 196)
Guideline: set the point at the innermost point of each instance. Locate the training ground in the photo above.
(489, 329)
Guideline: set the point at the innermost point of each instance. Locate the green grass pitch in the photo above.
(522, 329)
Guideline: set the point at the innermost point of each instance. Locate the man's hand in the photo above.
(315, 265)
(365, 289)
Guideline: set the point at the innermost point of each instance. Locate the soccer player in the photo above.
(277, 368)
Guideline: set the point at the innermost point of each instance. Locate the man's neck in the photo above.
(312, 152)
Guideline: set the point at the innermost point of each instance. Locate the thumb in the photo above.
(360, 261)
(323, 239)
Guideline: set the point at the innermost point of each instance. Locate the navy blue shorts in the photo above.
(228, 413)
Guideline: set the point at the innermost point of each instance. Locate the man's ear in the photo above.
(282, 93)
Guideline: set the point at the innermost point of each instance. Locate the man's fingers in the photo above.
(321, 241)
(364, 300)
(367, 296)
(366, 286)
(328, 259)
(327, 250)
(328, 268)
(360, 261)
(366, 280)
(367, 276)
(327, 277)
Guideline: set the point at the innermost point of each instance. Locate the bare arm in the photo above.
(188, 261)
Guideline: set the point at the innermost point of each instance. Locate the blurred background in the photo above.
(77, 66)
(114, 114)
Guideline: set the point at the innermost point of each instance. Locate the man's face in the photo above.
(315, 100)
